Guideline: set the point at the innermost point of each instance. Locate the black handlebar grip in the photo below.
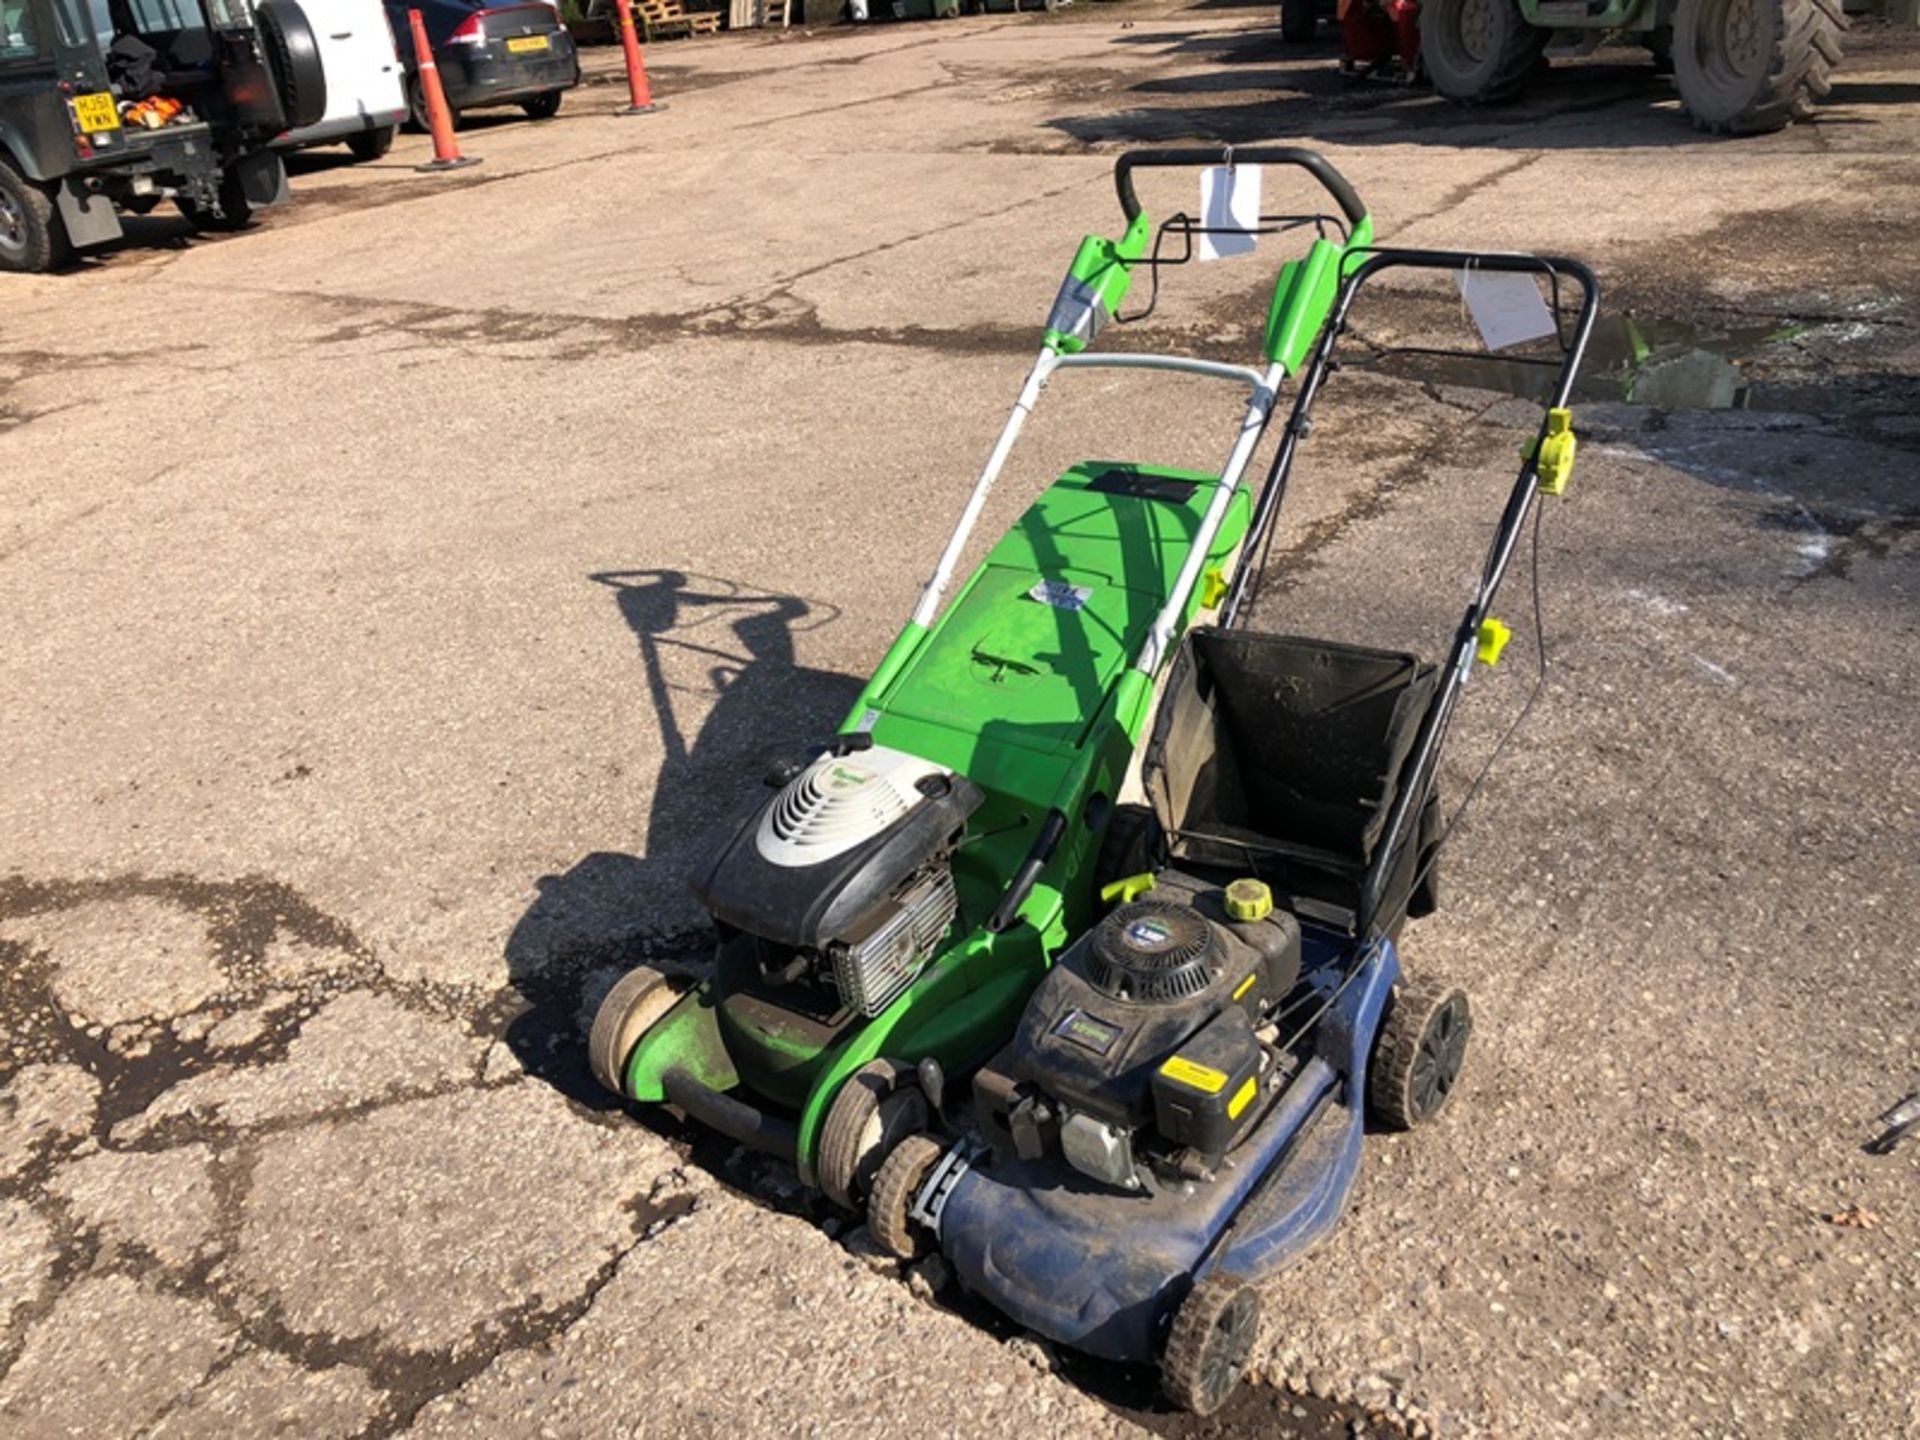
(1312, 161)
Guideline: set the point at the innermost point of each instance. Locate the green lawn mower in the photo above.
(885, 916)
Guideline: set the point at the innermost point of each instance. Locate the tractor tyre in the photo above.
(889, 1220)
(878, 1107)
(637, 1002)
(1134, 844)
(1418, 1053)
(293, 58)
(1211, 1343)
(33, 239)
(1748, 67)
(1299, 21)
(1479, 52)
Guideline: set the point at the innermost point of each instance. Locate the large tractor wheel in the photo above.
(1746, 67)
(1479, 51)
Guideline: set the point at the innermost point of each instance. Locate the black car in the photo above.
(490, 55)
(117, 105)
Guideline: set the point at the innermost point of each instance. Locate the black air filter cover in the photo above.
(1152, 951)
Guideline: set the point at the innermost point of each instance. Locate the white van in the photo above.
(366, 84)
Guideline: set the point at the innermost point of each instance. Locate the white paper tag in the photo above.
(1506, 307)
(1060, 595)
(1229, 200)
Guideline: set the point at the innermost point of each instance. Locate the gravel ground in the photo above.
(398, 593)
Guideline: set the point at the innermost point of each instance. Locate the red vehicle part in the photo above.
(1375, 33)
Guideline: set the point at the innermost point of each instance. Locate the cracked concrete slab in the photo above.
(40, 1106)
(269, 1396)
(164, 1202)
(150, 1349)
(122, 960)
(738, 1322)
(359, 1049)
(426, 1224)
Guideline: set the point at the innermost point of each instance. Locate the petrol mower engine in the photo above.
(841, 886)
(1144, 1053)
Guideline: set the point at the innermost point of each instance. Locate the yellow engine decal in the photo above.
(1201, 1077)
(1242, 1097)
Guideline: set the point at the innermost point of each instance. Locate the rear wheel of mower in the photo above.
(1299, 19)
(1746, 67)
(635, 1004)
(1479, 51)
(899, 1180)
(880, 1105)
(1134, 844)
(1211, 1343)
(1418, 1053)
(32, 237)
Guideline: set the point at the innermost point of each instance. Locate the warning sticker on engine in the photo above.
(1060, 595)
(1200, 1077)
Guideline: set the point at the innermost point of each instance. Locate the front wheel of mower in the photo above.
(1211, 1343)
(634, 1006)
(879, 1106)
(898, 1181)
(1479, 52)
(1418, 1053)
(1746, 67)
(1299, 20)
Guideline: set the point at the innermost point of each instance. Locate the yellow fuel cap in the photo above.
(1249, 900)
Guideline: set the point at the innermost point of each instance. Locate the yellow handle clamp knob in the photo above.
(1249, 900)
(1213, 589)
(1554, 460)
(1493, 639)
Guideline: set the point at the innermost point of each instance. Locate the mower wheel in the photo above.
(1479, 52)
(1418, 1053)
(894, 1187)
(636, 1003)
(1299, 19)
(879, 1106)
(1211, 1343)
(1135, 844)
(1747, 67)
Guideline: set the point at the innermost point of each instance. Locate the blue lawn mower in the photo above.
(1180, 1112)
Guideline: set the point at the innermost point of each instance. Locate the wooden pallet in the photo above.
(669, 17)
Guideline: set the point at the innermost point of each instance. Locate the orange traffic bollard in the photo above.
(446, 154)
(638, 90)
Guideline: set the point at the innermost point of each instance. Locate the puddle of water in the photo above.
(1642, 362)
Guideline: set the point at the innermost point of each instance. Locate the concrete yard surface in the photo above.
(399, 594)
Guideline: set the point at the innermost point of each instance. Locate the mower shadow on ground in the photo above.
(703, 641)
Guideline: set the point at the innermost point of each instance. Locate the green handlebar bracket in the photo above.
(1303, 297)
(1096, 284)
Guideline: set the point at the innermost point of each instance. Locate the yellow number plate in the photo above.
(95, 113)
(527, 45)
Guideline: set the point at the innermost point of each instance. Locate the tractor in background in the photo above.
(1743, 67)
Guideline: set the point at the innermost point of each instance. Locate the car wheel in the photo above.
(542, 107)
(371, 144)
(417, 109)
(32, 237)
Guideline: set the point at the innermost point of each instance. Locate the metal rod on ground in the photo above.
(639, 92)
(446, 153)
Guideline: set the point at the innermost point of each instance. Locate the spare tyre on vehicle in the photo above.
(292, 52)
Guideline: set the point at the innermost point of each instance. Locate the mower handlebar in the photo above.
(1314, 163)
